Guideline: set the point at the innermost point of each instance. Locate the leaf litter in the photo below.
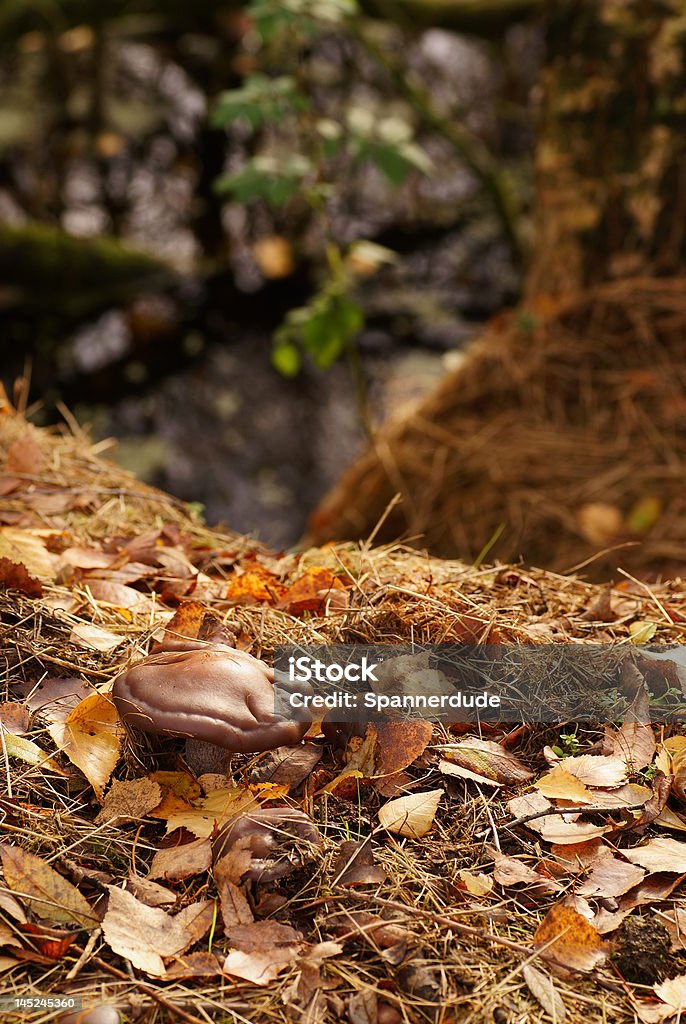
(491, 883)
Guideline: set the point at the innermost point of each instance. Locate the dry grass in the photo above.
(445, 973)
(550, 413)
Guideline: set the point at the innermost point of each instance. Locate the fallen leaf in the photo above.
(118, 595)
(313, 591)
(287, 766)
(412, 815)
(150, 893)
(554, 827)
(179, 862)
(475, 882)
(254, 586)
(234, 905)
(93, 738)
(512, 871)
(487, 759)
(399, 744)
(94, 638)
(144, 935)
(14, 717)
(355, 865)
(261, 951)
(560, 784)
(28, 752)
(50, 895)
(212, 811)
(570, 939)
(642, 632)
(130, 800)
(597, 770)
(15, 576)
(634, 742)
(660, 854)
(610, 877)
(544, 992)
(28, 548)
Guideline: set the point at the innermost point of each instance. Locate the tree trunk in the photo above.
(611, 153)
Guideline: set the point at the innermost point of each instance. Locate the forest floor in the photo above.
(444, 907)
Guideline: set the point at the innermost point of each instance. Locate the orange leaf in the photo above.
(15, 576)
(312, 592)
(256, 585)
(570, 939)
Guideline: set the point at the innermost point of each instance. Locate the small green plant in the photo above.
(300, 156)
(568, 746)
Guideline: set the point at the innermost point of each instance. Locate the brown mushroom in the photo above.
(210, 692)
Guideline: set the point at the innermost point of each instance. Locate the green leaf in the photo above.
(258, 101)
(286, 359)
(266, 178)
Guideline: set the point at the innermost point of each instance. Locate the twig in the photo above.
(584, 809)
(148, 990)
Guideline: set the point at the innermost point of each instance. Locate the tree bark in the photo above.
(611, 152)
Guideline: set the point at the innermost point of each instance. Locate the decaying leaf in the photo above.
(411, 815)
(610, 877)
(544, 992)
(634, 742)
(85, 634)
(93, 739)
(355, 865)
(597, 770)
(570, 939)
(661, 854)
(144, 935)
(487, 760)
(50, 895)
(512, 871)
(555, 828)
(209, 812)
(261, 951)
(178, 862)
(399, 744)
(130, 800)
(287, 766)
(15, 576)
(27, 547)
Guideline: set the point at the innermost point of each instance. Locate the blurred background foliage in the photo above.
(204, 207)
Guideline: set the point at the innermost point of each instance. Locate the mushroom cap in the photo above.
(215, 693)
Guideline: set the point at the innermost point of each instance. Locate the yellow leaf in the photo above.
(93, 738)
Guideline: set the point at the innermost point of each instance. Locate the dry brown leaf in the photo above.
(118, 595)
(28, 548)
(130, 800)
(234, 905)
(287, 766)
(570, 939)
(195, 965)
(671, 819)
(15, 576)
(179, 862)
(634, 742)
(144, 935)
(597, 770)
(458, 771)
(261, 951)
(554, 827)
(660, 854)
(412, 815)
(93, 739)
(610, 877)
(544, 992)
(355, 865)
(50, 895)
(511, 871)
(560, 784)
(94, 638)
(14, 717)
(150, 893)
(488, 760)
(399, 744)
